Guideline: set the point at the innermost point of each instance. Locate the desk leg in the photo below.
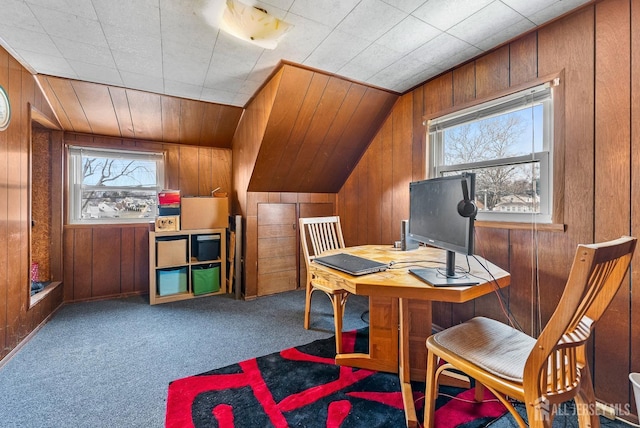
(404, 369)
(383, 338)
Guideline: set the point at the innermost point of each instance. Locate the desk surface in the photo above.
(397, 282)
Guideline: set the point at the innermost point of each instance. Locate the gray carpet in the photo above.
(109, 363)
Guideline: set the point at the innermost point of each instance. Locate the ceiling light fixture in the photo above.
(253, 24)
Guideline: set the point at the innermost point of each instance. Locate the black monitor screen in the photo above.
(434, 217)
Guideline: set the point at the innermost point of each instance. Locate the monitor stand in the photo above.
(435, 278)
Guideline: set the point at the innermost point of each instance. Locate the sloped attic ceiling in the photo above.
(112, 111)
(319, 127)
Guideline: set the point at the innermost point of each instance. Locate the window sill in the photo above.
(42, 294)
(543, 227)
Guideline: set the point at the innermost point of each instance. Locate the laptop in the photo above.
(351, 264)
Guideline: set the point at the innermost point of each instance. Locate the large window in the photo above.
(113, 186)
(508, 143)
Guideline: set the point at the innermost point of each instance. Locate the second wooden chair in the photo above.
(317, 235)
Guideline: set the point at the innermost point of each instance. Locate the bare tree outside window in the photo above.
(118, 188)
(511, 187)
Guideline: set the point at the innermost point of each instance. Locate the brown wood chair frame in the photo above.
(542, 372)
(324, 233)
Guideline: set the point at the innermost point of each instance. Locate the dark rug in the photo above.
(302, 387)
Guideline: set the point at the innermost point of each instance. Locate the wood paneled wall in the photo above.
(109, 260)
(597, 50)
(17, 318)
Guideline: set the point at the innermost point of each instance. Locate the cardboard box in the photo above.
(171, 252)
(203, 212)
(168, 223)
(169, 197)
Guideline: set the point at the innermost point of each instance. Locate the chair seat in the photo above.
(327, 287)
(491, 345)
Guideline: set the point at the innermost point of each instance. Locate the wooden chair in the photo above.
(543, 372)
(324, 233)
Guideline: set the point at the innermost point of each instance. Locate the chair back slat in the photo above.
(324, 233)
(597, 273)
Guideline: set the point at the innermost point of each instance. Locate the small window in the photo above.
(508, 144)
(113, 186)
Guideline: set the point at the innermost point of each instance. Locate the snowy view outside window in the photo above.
(110, 186)
(507, 144)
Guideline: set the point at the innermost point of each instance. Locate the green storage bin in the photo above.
(205, 279)
(172, 281)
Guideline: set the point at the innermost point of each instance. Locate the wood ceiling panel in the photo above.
(320, 139)
(289, 99)
(170, 119)
(112, 111)
(191, 113)
(146, 114)
(97, 106)
(299, 136)
(72, 109)
(332, 159)
(122, 112)
(319, 127)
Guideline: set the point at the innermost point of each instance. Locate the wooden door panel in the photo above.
(276, 248)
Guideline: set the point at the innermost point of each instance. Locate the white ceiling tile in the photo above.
(444, 14)
(79, 51)
(99, 74)
(556, 9)
(369, 62)
(81, 8)
(224, 97)
(17, 13)
(473, 32)
(371, 19)
(219, 80)
(142, 82)
(505, 34)
(69, 26)
(335, 51)
(199, 32)
(408, 35)
(48, 64)
(183, 89)
(176, 45)
(139, 16)
(439, 49)
(120, 40)
(326, 12)
(21, 38)
(406, 6)
(139, 64)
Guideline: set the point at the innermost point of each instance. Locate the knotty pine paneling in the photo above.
(17, 318)
(591, 50)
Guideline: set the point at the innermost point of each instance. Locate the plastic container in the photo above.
(207, 247)
(635, 381)
(171, 281)
(205, 279)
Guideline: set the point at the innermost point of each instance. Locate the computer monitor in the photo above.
(442, 212)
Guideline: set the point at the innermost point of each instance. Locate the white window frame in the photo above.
(75, 185)
(540, 94)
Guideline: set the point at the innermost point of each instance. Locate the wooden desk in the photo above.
(397, 298)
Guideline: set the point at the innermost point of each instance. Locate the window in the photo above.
(508, 143)
(113, 186)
